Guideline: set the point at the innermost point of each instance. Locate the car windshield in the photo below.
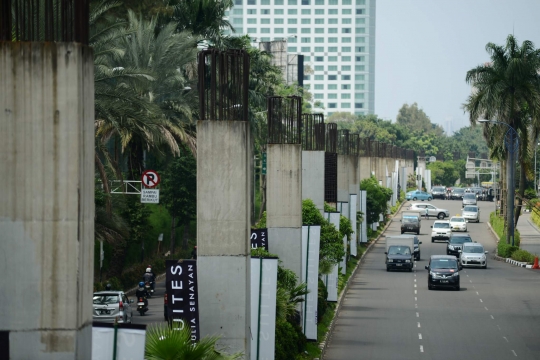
(438, 189)
(416, 240)
(457, 220)
(441, 225)
(410, 219)
(470, 208)
(473, 249)
(460, 240)
(443, 264)
(105, 299)
(399, 250)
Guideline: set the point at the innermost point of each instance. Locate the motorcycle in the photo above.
(141, 306)
(149, 289)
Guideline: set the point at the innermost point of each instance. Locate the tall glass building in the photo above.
(337, 38)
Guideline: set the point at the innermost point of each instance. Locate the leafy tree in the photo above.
(443, 172)
(377, 198)
(508, 89)
(416, 119)
(179, 193)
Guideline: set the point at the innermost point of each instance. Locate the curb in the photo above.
(519, 263)
(324, 344)
(508, 260)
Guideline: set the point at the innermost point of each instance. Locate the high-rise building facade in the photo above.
(336, 37)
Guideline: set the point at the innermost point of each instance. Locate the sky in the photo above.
(424, 49)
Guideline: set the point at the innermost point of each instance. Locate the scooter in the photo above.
(141, 306)
(149, 289)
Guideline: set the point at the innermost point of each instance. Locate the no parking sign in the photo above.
(150, 179)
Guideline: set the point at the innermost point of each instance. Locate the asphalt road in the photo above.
(154, 315)
(393, 315)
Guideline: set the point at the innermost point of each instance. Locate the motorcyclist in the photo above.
(149, 277)
(108, 287)
(142, 293)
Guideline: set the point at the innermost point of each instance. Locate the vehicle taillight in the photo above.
(165, 299)
(121, 306)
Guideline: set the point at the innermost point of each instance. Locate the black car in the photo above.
(443, 272)
(438, 192)
(457, 193)
(455, 243)
(399, 258)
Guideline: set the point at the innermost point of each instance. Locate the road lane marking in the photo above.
(414, 280)
(492, 317)
(467, 275)
(485, 307)
(415, 292)
(422, 349)
(504, 337)
(470, 281)
(416, 306)
(414, 285)
(481, 300)
(499, 327)
(417, 315)
(419, 325)
(419, 336)
(514, 353)
(477, 293)
(415, 298)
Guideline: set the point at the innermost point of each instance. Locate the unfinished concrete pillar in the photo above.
(224, 191)
(313, 142)
(47, 199)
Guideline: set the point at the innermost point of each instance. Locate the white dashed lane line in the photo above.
(492, 317)
(417, 314)
(419, 325)
(422, 349)
(419, 336)
(504, 337)
(514, 353)
(480, 300)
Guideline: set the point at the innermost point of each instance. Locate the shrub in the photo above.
(523, 255)
(289, 341)
(505, 250)
(497, 223)
(322, 304)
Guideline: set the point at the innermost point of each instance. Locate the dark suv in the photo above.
(455, 243)
(438, 192)
(457, 193)
(443, 272)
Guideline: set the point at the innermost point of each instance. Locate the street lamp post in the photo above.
(511, 141)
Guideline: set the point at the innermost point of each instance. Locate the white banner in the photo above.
(343, 208)
(331, 280)
(363, 209)
(263, 307)
(130, 340)
(150, 196)
(352, 217)
(311, 238)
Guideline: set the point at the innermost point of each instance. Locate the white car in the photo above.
(473, 254)
(471, 213)
(441, 230)
(458, 223)
(433, 211)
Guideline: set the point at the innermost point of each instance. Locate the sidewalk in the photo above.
(530, 234)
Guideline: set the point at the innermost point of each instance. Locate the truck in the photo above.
(410, 222)
(399, 252)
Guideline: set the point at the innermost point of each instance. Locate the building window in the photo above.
(265, 11)
(332, 12)
(251, 21)
(332, 21)
(319, 21)
(332, 49)
(345, 87)
(345, 67)
(360, 30)
(251, 11)
(359, 77)
(360, 20)
(345, 77)
(332, 87)
(292, 2)
(346, 30)
(360, 58)
(306, 2)
(239, 29)
(265, 2)
(345, 96)
(332, 58)
(319, 2)
(359, 87)
(318, 96)
(360, 39)
(360, 68)
(332, 67)
(319, 77)
(345, 105)
(306, 40)
(346, 2)
(291, 21)
(306, 30)
(319, 58)
(306, 77)
(319, 40)
(346, 12)
(332, 96)
(265, 21)
(358, 105)
(360, 2)
(251, 30)
(306, 21)
(307, 58)
(306, 49)
(332, 105)
(306, 12)
(358, 96)
(277, 21)
(332, 39)
(278, 11)
(279, 31)
(292, 11)
(332, 77)
(237, 11)
(346, 21)
(332, 30)
(237, 20)
(319, 11)
(346, 40)
(278, 2)
(319, 87)
(345, 58)
(319, 49)
(291, 49)
(360, 49)
(265, 30)
(358, 11)
(237, 2)
(252, 2)
(345, 49)
(292, 30)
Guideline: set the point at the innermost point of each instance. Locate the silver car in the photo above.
(473, 254)
(469, 199)
(433, 211)
(471, 213)
(112, 305)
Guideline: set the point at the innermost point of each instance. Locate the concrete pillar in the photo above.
(343, 178)
(47, 199)
(313, 177)
(364, 168)
(284, 204)
(224, 173)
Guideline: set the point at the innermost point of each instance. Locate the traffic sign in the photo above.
(150, 178)
(150, 196)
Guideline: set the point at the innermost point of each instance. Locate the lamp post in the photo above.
(511, 141)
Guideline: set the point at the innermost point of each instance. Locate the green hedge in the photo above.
(523, 256)
(505, 250)
(497, 223)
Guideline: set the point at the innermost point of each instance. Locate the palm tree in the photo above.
(508, 89)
